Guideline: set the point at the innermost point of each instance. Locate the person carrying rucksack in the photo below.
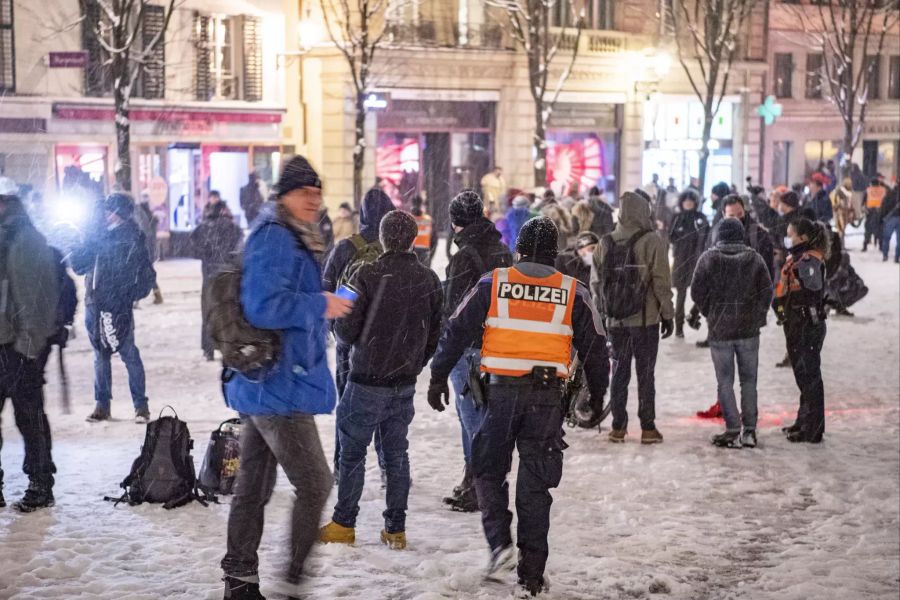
(632, 287)
(282, 290)
(118, 272)
(29, 296)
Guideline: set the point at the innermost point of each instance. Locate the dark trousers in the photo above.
(22, 381)
(206, 342)
(530, 419)
(804, 343)
(680, 298)
(873, 228)
(266, 442)
(642, 345)
(365, 410)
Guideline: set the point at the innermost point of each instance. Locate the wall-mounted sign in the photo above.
(67, 60)
(376, 101)
(770, 110)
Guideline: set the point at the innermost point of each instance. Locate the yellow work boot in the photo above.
(337, 534)
(394, 541)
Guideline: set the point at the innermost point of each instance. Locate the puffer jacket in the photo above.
(282, 289)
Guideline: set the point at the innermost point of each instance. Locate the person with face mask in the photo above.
(576, 261)
(800, 306)
(689, 233)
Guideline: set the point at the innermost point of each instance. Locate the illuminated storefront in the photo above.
(583, 149)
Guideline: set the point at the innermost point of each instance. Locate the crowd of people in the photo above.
(536, 288)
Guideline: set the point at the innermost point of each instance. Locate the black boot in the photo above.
(38, 495)
(235, 589)
(468, 481)
(2, 499)
(467, 501)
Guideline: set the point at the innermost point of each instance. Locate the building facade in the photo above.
(205, 112)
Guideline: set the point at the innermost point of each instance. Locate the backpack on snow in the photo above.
(218, 470)
(624, 290)
(164, 471)
(366, 253)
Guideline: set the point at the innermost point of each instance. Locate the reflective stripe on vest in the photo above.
(529, 323)
(875, 196)
(423, 239)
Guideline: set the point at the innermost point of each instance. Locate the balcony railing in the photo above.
(599, 42)
(429, 34)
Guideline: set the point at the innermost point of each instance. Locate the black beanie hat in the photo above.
(538, 237)
(791, 199)
(397, 231)
(731, 231)
(120, 203)
(721, 189)
(297, 173)
(466, 208)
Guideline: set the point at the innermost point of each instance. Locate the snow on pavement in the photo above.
(681, 520)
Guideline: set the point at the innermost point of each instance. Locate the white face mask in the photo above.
(788, 243)
(587, 259)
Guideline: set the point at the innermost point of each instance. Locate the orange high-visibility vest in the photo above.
(423, 239)
(875, 196)
(529, 324)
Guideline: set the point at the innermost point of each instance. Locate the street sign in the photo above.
(68, 60)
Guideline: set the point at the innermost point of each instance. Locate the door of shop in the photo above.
(436, 159)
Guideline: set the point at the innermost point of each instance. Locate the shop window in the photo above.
(576, 162)
(814, 79)
(872, 65)
(7, 48)
(818, 153)
(228, 62)
(894, 78)
(781, 163)
(397, 166)
(784, 72)
(598, 14)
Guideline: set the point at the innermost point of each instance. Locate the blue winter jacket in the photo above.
(281, 289)
(515, 218)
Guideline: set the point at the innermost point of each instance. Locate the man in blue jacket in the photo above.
(281, 289)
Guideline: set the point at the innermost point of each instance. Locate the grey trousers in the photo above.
(266, 442)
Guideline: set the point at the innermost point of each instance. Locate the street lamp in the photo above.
(309, 33)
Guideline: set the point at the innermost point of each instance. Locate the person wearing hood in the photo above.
(577, 260)
(717, 195)
(118, 273)
(733, 289)
(516, 216)
(603, 222)
(690, 230)
(481, 250)
(526, 356)
(637, 336)
(29, 295)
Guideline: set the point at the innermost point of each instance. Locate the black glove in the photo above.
(693, 319)
(667, 328)
(438, 395)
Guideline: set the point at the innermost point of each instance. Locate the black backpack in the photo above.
(624, 291)
(164, 471)
(366, 252)
(223, 457)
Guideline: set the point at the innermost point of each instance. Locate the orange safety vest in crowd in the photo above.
(529, 324)
(423, 239)
(875, 196)
(789, 281)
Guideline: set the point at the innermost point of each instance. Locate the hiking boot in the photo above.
(467, 502)
(337, 534)
(800, 437)
(502, 561)
(713, 412)
(617, 436)
(651, 436)
(790, 429)
(729, 439)
(99, 414)
(38, 495)
(529, 588)
(235, 589)
(748, 438)
(464, 485)
(394, 541)
(142, 416)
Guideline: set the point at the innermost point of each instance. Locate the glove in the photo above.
(667, 328)
(693, 319)
(438, 395)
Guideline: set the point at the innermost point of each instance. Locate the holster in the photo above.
(476, 385)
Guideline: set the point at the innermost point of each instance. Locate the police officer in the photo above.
(800, 306)
(530, 315)
(426, 241)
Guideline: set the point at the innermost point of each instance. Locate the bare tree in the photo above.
(118, 31)
(357, 28)
(849, 33)
(530, 24)
(706, 37)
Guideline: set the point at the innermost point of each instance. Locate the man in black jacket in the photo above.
(733, 288)
(393, 331)
(481, 250)
(690, 230)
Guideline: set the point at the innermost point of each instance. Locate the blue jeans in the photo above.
(129, 354)
(469, 414)
(746, 352)
(363, 411)
(891, 228)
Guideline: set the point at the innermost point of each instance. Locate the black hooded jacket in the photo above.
(688, 234)
(375, 205)
(481, 250)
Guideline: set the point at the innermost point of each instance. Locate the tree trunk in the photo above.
(540, 146)
(848, 149)
(122, 97)
(359, 149)
(704, 150)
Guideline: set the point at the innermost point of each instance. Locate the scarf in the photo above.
(308, 233)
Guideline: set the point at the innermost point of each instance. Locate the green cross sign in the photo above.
(769, 110)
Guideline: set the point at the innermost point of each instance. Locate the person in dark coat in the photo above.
(118, 273)
(690, 230)
(717, 196)
(576, 261)
(481, 250)
(890, 218)
(214, 242)
(819, 200)
(733, 288)
(393, 330)
(603, 222)
(251, 199)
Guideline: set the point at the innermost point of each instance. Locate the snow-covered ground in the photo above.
(679, 520)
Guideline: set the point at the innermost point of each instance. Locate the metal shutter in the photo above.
(153, 71)
(202, 82)
(96, 73)
(7, 48)
(253, 63)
